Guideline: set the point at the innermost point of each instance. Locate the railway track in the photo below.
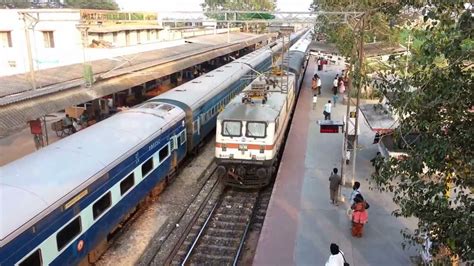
(217, 238)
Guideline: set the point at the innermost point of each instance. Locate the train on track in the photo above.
(251, 130)
(60, 203)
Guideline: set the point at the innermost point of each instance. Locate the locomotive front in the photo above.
(249, 135)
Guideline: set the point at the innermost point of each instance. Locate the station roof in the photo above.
(116, 28)
(62, 87)
(378, 117)
(370, 49)
(382, 48)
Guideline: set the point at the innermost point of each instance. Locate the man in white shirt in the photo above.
(337, 257)
(355, 191)
(327, 111)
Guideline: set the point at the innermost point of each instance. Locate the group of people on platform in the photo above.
(358, 205)
(357, 212)
(74, 124)
(338, 90)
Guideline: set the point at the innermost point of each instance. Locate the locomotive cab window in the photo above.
(232, 128)
(101, 205)
(33, 260)
(256, 130)
(68, 233)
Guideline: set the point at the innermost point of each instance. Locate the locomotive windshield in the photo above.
(256, 130)
(232, 128)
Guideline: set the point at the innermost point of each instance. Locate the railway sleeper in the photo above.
(227, 213)
(221, 240)
(237, 205)
(211, 259)
(216, 250)
(220, 231)
(216, 247)
(230, 225)
(231, 218)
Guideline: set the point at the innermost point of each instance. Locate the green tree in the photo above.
(237, 5)
(434, 183)
(378, 23)
(84, 4)
(92, 4)
(15, 4)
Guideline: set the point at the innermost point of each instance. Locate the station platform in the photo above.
(62, 87)
(301, 223)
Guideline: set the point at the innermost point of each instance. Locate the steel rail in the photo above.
(198, 237)
(195, 217)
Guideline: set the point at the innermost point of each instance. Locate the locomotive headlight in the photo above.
(242, 147)
(224, 147)
(262, 149)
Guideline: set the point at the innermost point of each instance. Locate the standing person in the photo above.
(342, 88)
(327, 111)
(334, 182)
(67, 122)
(314, 84)
(359, 215)
(376, 161)
(337, 257)
(318, 84)
(355, 192)
(335, 83)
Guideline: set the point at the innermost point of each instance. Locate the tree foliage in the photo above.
(259, 5)
(84, 4)
(378, 24)
(92, 4)
(237, 5)
(434, 183)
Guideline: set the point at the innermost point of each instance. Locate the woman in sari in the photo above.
(359, 215)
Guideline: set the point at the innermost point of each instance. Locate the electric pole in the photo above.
(359, 86)
(349, 101)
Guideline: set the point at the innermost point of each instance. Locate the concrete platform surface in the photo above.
(301, 222)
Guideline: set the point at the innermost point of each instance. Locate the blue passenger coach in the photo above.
(59, 202)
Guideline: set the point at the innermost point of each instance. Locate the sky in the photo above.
(194, 5)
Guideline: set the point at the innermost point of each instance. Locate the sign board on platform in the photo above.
(330, 126)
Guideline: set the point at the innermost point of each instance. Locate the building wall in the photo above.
(66, 38)
(68, 45)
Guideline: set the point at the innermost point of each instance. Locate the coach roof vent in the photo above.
(157, 106)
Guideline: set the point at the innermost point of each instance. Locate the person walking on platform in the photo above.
(355, 192)
(342, 89)
(337, 257)
(314, 83)
(334, 182)
(318, 85)
(327, 111)
(335, 83)
(359, 215)
(376, 162)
